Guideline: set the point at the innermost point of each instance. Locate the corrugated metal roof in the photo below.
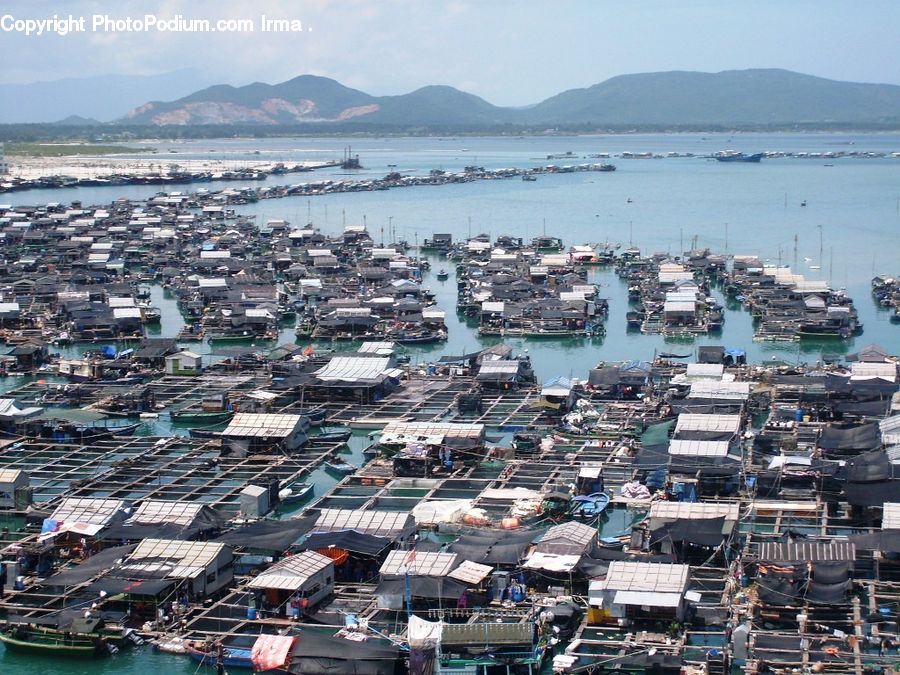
(678, 306)
(552, 562)
(471, 572)
(807, 551)
(354, 368)
(860, 370)
(579, 534)
(717, 423)
(262, 425)
(375, 522)
(91, 511)
(291, 573)
(9, 475)
(737, 391)
(693, 448)
(180, 559)
(705, 370)
(432, 429)
(380, 348)
(499, 366)
(693, 510)
(419, 563)
(158, 511)
(646, 576)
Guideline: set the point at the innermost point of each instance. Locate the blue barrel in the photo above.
(251, 614)
(295, 612)
(517, 594)
(798, 416)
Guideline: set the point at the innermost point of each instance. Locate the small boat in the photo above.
(152, 314)
(333, 436)
(374, 422)
(233, 657)
(443, 275)
(417, 338)
(295, 492)
(670, 355)
(53, 642)
(739, 157)
(341, 467)
(212, 417)
(527, 177)
(316, 416)
(589, 506)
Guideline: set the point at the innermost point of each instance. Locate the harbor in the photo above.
(243, 443)
(238, 437)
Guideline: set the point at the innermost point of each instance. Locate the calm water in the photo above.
(734, 208)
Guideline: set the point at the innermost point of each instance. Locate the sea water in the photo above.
(849, 229)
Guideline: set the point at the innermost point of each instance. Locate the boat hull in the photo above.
(61, 648)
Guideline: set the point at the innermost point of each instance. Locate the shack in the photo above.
(14, 490)
(640, 590)
(307, 575)
(255, 433)
(206, 566)
(421, 447)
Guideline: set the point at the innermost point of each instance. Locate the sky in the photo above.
(510, 52)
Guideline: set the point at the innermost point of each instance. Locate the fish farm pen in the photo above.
(250, 445)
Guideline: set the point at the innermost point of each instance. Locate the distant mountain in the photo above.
(77, 121)
(737, 98)
(104, 97)
(732, 97)
(316, 99)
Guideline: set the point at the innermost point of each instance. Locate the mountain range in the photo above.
(732, 98)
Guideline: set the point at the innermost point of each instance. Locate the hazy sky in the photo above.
(511, 52)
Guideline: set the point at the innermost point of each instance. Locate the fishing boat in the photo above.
(206, 417)
(443, 275)
(232, 657)
(295, 492)
(63, 431)
(152, 314)
(374, 422)
(58, 643)
(340, 466)
(315, 416)
(587, 507)
(334, 436)
(228, 338)
(732, 156)
(416, 337)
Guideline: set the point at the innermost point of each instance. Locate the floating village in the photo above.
(327, 504)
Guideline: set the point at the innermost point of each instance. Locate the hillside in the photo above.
(739, 98)
(752, 97)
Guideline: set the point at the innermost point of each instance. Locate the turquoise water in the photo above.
(856, 202)
(732, 207)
